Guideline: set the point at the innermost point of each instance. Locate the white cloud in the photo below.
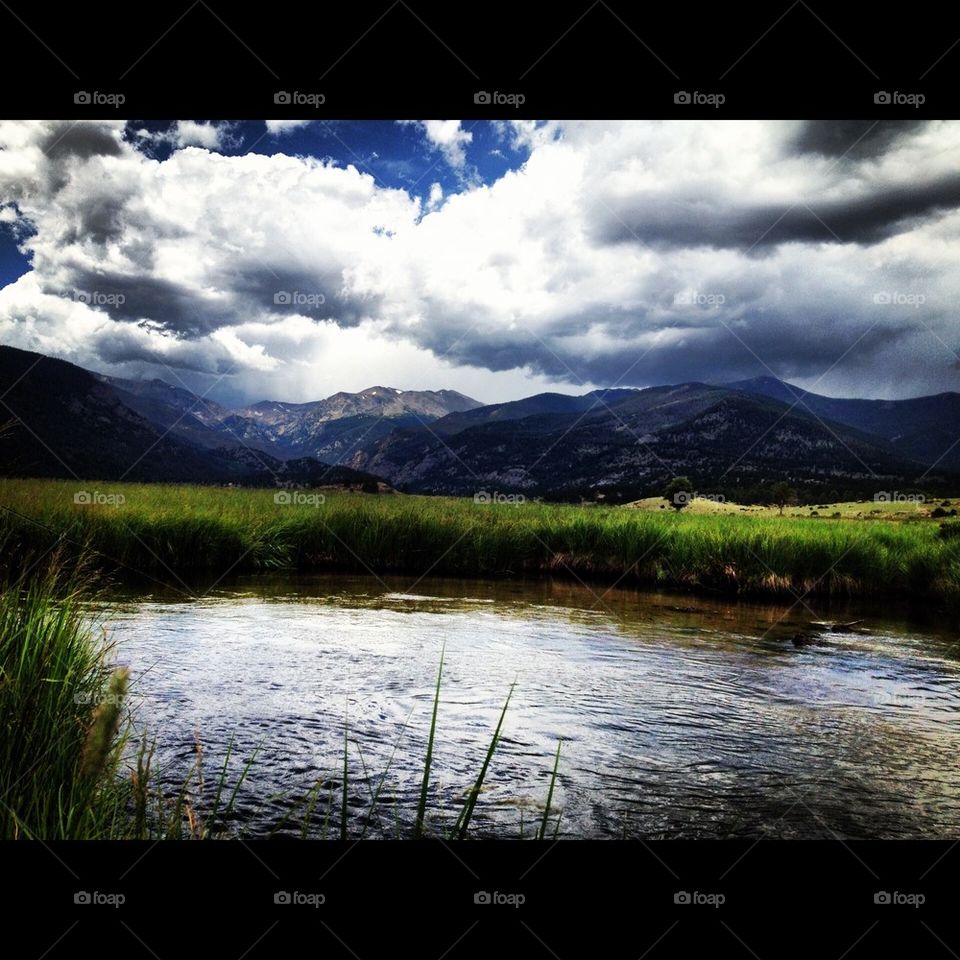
(212, 136)
(192, 133)
(279, 127)
(435, 198)
(449, 137)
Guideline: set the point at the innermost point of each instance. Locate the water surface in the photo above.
(678, 716)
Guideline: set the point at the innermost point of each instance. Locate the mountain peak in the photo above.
(379, 390)
(768, 386)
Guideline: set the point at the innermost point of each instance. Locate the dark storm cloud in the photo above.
(100, 220)
(703, 220)
(853, 139)
(123, 346)
(800, 347)
(82, 140)
(180, 310)
(722, 353)
(168, 305)
(283, 291)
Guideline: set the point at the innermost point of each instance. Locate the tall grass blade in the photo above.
(463, 821)
(546, 810)
(425, 784)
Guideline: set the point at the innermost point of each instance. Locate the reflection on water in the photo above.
(679, 717)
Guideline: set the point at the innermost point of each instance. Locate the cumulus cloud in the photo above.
(449, 137)
(436, 196)
(622, 253)
(193, 133)
(277, 128)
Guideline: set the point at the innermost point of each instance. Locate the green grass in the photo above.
(69, 768)
(174, 533)
(59, 716)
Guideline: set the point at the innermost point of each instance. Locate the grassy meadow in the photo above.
(172, 532)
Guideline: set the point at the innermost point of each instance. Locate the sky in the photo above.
(293, 259)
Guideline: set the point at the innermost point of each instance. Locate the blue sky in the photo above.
(12, 262)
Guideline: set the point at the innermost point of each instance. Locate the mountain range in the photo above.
(57, 419)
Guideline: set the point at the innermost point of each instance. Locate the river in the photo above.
(678, 716)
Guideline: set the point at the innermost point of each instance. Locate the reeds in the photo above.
(171, 532)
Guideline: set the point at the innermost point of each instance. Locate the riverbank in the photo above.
(169, 532)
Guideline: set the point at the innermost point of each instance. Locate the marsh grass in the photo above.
(60, 717)
(169, 532)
